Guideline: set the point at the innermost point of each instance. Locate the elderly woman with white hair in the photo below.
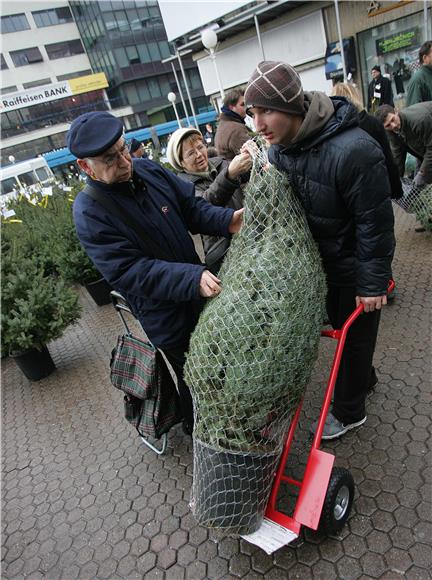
(215, 179)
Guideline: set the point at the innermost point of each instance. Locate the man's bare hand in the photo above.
(236, 221)
(209, 285)
(371, 303)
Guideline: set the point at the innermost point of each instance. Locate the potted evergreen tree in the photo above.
(36, 308)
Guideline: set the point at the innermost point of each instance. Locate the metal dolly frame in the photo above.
(326, 493)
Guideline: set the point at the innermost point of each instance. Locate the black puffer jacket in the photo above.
(340, 176)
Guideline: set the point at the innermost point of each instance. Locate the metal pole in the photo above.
(340, 40)
(258, 31)
(176, 114)
(213, 57)
(186, 112)
(187, 90)
(426, 30)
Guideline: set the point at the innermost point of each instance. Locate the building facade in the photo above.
(60, 59)
(306, 35)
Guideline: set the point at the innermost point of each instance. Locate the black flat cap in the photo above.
(134, 145)
(93, 133)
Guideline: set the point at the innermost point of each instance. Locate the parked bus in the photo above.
(24, 174)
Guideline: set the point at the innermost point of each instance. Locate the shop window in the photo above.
(154, 51)
(143, 52)
(4, 65)
(154, 88)
(132, 96)
(164, 49)
(52, 17)
(14, 23)
(64, 49)
(132, 55)
(122, 20)
(143, 91)
(38, 83)
(7, 90)
(81, 73)
(393, 46)
(26, 56)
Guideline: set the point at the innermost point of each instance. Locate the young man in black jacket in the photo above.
(339, 174)
(379, 91)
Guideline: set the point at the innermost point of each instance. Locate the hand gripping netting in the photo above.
(251, 354)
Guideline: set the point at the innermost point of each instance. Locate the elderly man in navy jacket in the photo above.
(166, 291)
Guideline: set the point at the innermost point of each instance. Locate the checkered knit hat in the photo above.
(275, 85)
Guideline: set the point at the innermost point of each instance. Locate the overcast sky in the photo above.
(182, 16)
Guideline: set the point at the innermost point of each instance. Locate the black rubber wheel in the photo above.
(338, 501)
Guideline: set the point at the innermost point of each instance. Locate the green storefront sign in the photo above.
(397, 41)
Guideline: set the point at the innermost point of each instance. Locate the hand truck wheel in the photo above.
(338, 501)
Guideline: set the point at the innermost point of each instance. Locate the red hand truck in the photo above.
(326, 493)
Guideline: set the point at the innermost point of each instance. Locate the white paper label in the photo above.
(47, 191)
(270, 536)
(66, 188)
(7, 213)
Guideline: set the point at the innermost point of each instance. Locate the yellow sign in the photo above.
(88, 83)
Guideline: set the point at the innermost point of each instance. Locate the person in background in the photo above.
(410, 131)
(419, 89)
(159, 273)
(136, 149)
(339, 174)
(232, 131)
(215, 179)
(380, 90)
(375, 129)
(209, 135)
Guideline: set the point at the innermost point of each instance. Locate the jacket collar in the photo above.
(123, 187)
(231, 115)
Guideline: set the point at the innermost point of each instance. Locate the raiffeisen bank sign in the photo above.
(52, 92)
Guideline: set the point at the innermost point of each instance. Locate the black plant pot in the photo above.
(99, 291)
(35, 364)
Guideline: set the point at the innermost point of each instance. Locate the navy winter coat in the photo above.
(340, 177)
(164, 295)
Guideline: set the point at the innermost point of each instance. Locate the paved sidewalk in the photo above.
(82, 498)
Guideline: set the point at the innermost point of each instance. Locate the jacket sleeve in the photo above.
(125, 266)
(414, 92)
(238, 137)
(363, 183)
(393, 171)
(426, 166)
(399, 152)
(200, 216)
(220, 191)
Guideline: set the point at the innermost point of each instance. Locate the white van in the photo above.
(24, 174)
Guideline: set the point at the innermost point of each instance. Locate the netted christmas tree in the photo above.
(252, 354)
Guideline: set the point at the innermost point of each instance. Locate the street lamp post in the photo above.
(209, 40)
(172, 99)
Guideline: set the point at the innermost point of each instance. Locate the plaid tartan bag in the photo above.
(151, 399)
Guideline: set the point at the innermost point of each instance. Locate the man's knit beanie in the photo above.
(275, 85)
(174, 145)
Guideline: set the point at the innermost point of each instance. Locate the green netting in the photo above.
(252, 354)
(417, 200)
